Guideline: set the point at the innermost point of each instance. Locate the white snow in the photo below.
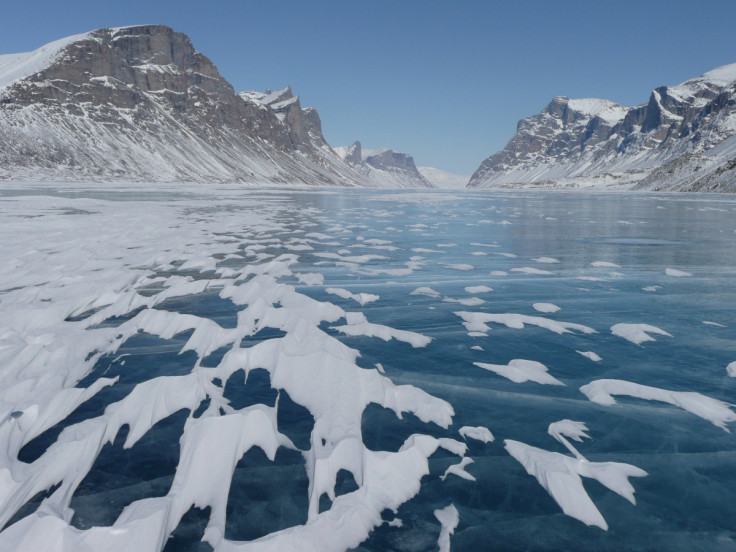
(478, 322)
(14, 67)
(715, 411)
(424, 290)
(546, 260)
(459, 266)
(459, 469)
(591, 355)
(560, 475)
(310, 278)
(637, 333)
(479, 433)
(100, 259)
(448, 518)
(478, 289)
(360, 298)
(520, 371)
(676, 273)
(731, 369)
(545, 307)
(607, 110)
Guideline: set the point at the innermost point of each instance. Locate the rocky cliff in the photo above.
(683, 138)
(140, 103)
(384, 166)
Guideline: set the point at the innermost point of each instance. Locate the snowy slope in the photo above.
(141, 104)
(593, 143)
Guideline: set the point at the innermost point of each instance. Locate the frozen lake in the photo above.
(270, 369)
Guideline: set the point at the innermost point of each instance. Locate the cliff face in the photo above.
(140, 103)
(590, 141)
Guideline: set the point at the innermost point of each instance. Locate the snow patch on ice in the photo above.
(715, 411)
(637, 333)
(449, 518)
(520, 371)
(479, 433)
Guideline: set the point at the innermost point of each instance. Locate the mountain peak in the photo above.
(582, 142)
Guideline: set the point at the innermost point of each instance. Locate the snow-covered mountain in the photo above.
(443, 179)
(384, 166)
(684, 138)
(140, 103)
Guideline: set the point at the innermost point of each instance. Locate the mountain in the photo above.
(683, 138)
(383, 166)
(443, 179)
(140, 103)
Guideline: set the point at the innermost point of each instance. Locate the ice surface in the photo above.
(193, 357)
(519, 371)
(715, 411)
(637, 333)
(478, 289)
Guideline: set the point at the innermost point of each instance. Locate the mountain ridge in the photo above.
(141, 103)
(599, 143)
(384, 165)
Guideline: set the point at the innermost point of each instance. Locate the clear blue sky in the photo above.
(443, 81)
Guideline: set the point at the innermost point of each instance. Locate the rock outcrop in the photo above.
(656, 145)
(140, 103)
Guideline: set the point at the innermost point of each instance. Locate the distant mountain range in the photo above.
(140, 103)
(383, 166)
(682, 139)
